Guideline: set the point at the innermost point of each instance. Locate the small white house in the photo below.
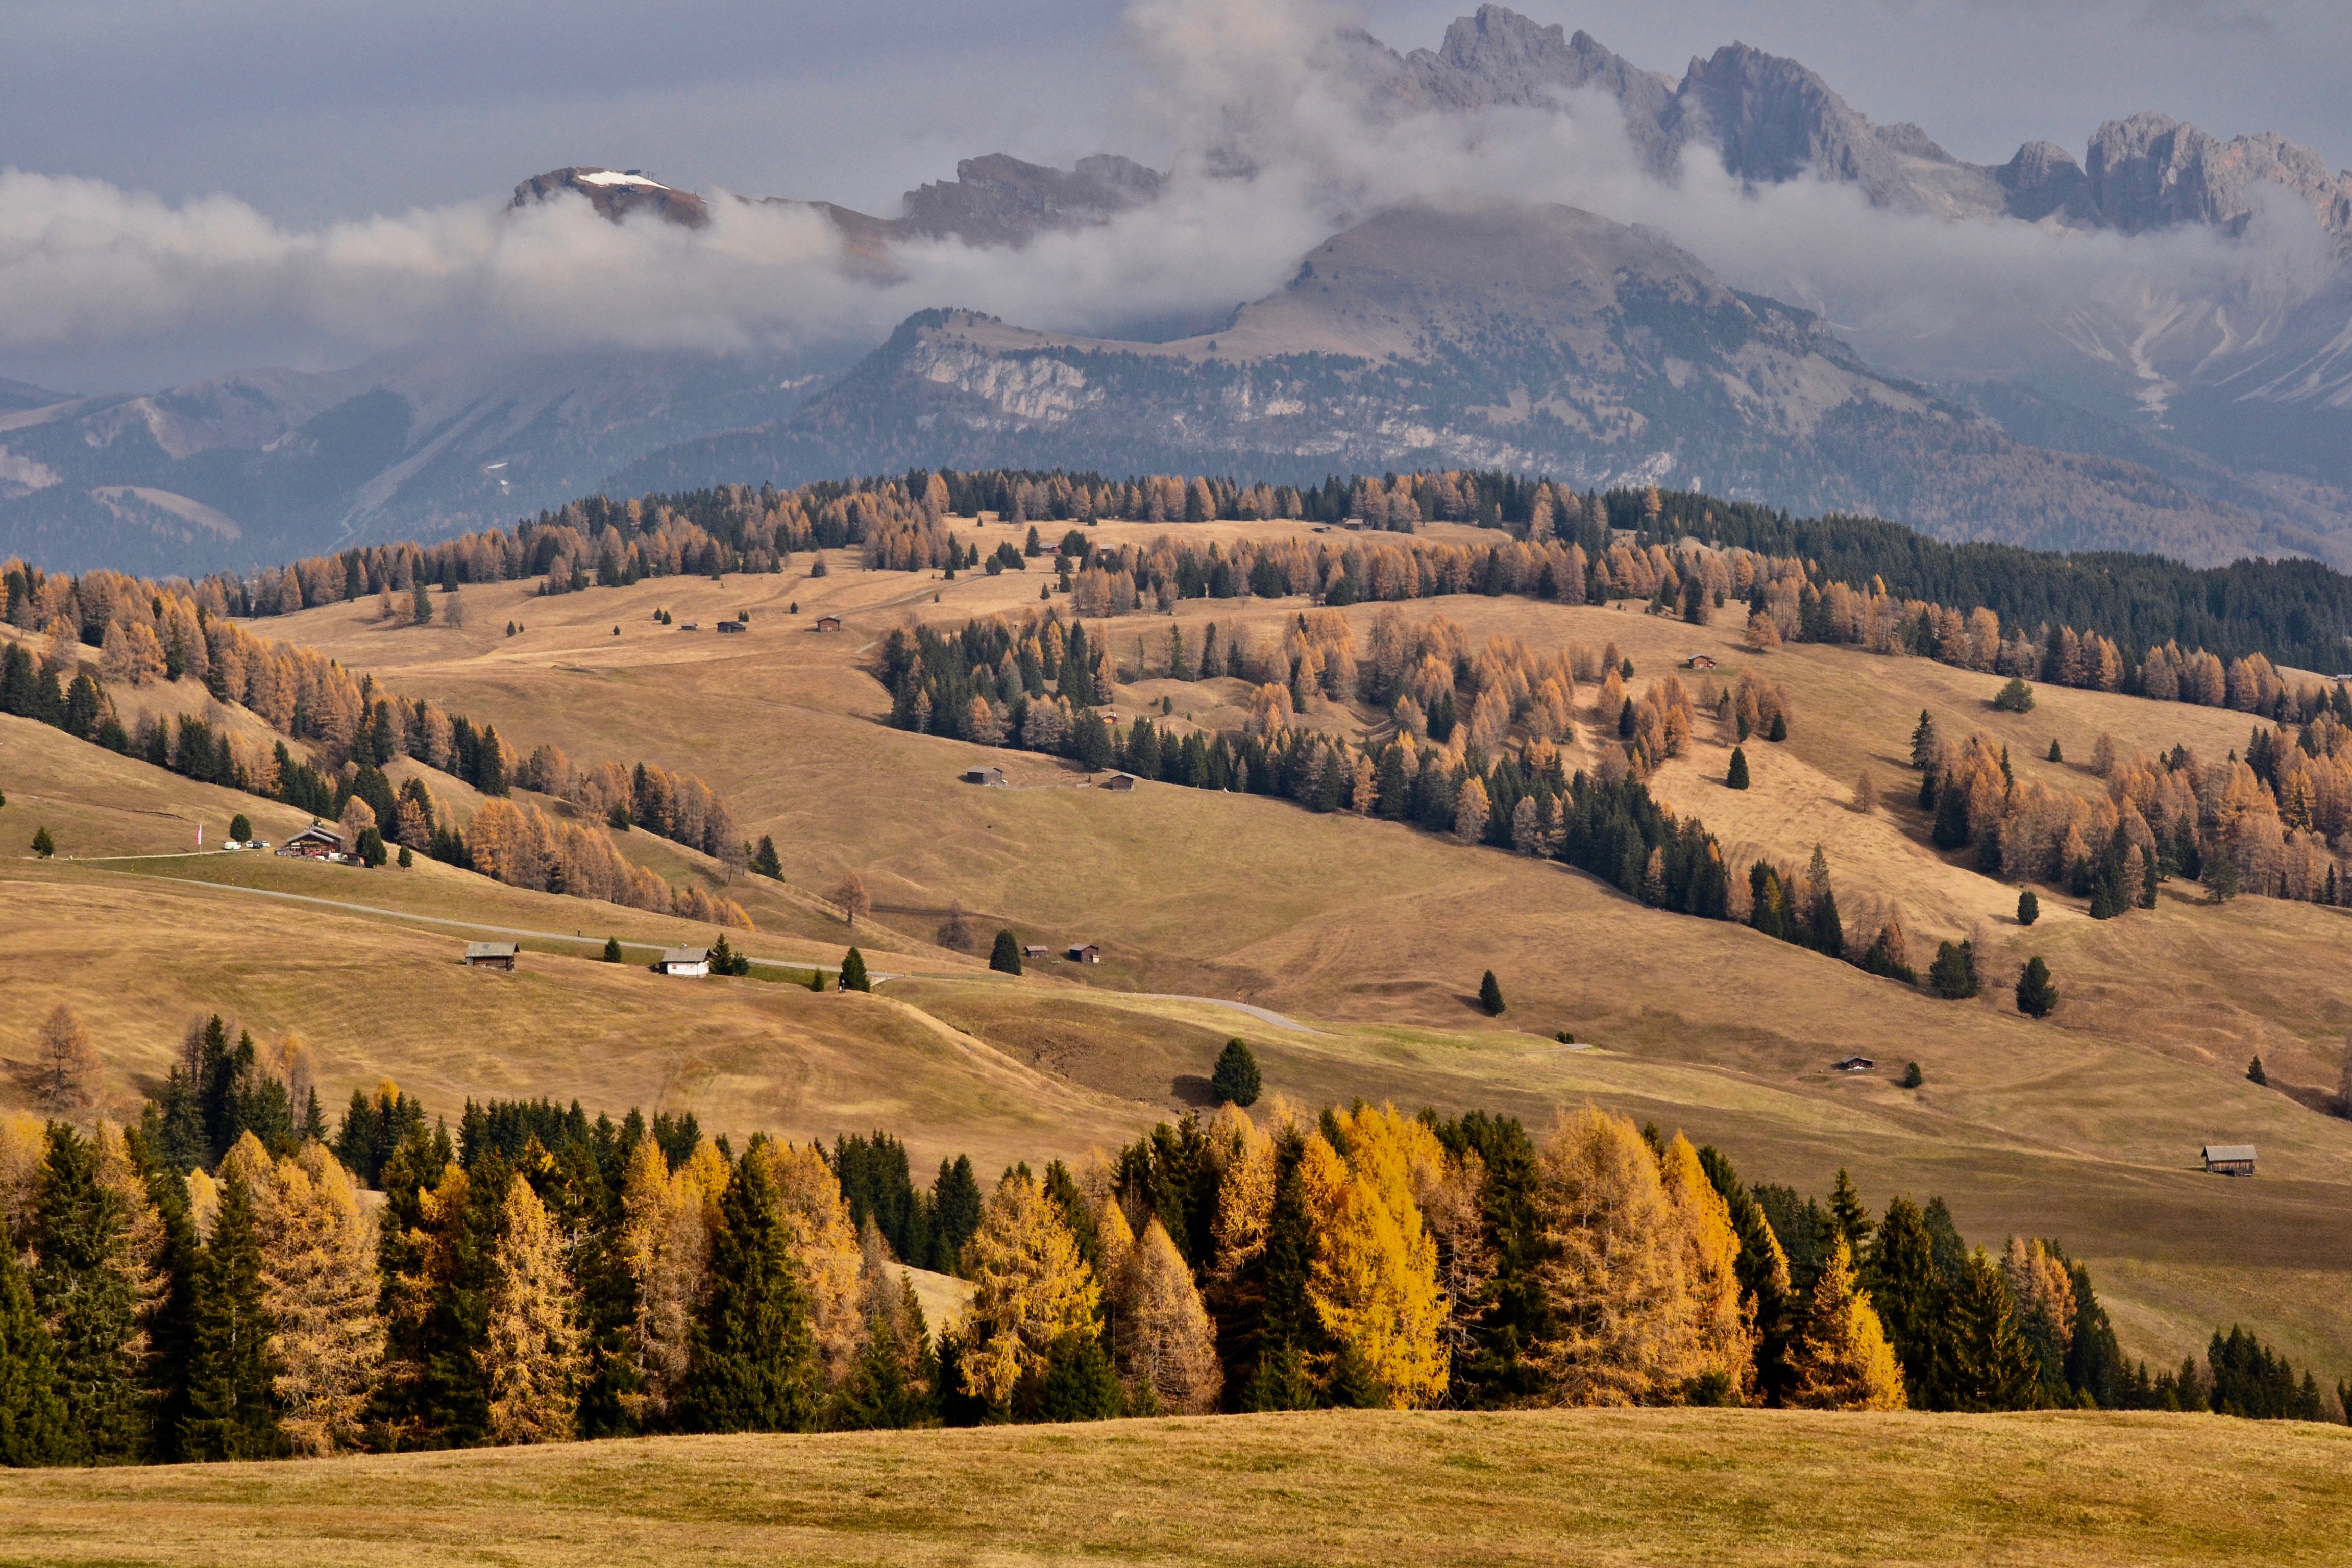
(694, 962)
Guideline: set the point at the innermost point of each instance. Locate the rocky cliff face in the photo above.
(2151, 170)
(1478, 335)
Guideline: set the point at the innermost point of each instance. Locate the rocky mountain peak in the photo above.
(615, 194)
(2152, 171)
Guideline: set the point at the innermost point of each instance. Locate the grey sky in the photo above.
(314, 112)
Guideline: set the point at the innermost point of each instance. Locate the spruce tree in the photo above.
(1990, 1366)
(2035, 993)
(239, 828)
(1004, 957)
(1235, 1079)
(853, 972)
(1846, 1213)
(2056, 756)
(755, 1365)
(43, 844)
(230, 1416)
(2029, 908)
(612, 950)
(82, 1288)
(955, 1206)
(1924, 743)
(32, 1411)
(1953, 974)
(1490, 995)
(1779, 731)
(1908, 1292)
(764, 860)
(1737, 777)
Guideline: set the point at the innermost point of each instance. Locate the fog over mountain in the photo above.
(1517, 248)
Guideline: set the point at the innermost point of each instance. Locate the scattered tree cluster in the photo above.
(2274, 820)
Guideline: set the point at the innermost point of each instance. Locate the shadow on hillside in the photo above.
(1193, 1089)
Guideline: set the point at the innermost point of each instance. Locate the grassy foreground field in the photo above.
(1647, 1487)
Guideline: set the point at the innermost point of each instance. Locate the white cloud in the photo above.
(1275, 149)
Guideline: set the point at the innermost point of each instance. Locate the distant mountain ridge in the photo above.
(1483, 336)
(2187, 422)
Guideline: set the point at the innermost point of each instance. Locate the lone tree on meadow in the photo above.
(2029, 908)
(764, 860)
(852, 901)
(239, 828)
(2035, 994)
(853, 972)
(1490, 995)
(1737, 777)
(2015, 698)
(69, 1065)
(1866, 794)
(612, 950)
(1235, 1078)
(43, 844)
(1006, 956)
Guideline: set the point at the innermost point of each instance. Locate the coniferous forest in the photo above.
(208, 1283)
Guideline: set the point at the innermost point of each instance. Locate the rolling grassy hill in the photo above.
(1370, 935)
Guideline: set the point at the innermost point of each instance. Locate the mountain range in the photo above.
(1456, 331)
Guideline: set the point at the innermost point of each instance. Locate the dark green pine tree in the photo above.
(1951, 829)
(1989, 1365)
(1004, 957)
(1909, 1292)
(1737, 777)
(1823, 927)
(32, 1411)
(1079, 1382)
(2056, 756)
(171, 1324)
(853, 972)
(1235, 1078)
(81, 1236)
(1852, 1221)
(1924, 743)
(230, 1414)
(1779, 731)
(1490, 995)
(1953, 974)
(2029, 908)
(765, 859)
(890, 1381)
(1288, 1331)
(2035, 993)
(612, 950)
(954, 1213)
(754, 1352)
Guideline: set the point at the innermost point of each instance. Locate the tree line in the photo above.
(204, 1284)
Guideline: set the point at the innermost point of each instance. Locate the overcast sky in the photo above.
(320, 110)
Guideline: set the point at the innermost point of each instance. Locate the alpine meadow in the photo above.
(1325, 848)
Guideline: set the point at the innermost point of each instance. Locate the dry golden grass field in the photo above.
(1700, 1487)
(1370, 937)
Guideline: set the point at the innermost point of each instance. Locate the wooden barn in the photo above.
(828, 623)
(491, 955)
(692, 962)
(2228, 1159)
(1122, 782)
(1085, 952)
(986, 776)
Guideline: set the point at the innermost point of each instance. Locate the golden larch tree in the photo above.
(533, 1357)
(1614, 1272)
(1723, 1338)
(825, 1247)
(1841, 1360)
(1164, 1345)
(1374, 1278)
(1031, 1290)
(319, 1285)
(666, 1247)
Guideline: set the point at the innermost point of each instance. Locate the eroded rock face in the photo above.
(2151, 170)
